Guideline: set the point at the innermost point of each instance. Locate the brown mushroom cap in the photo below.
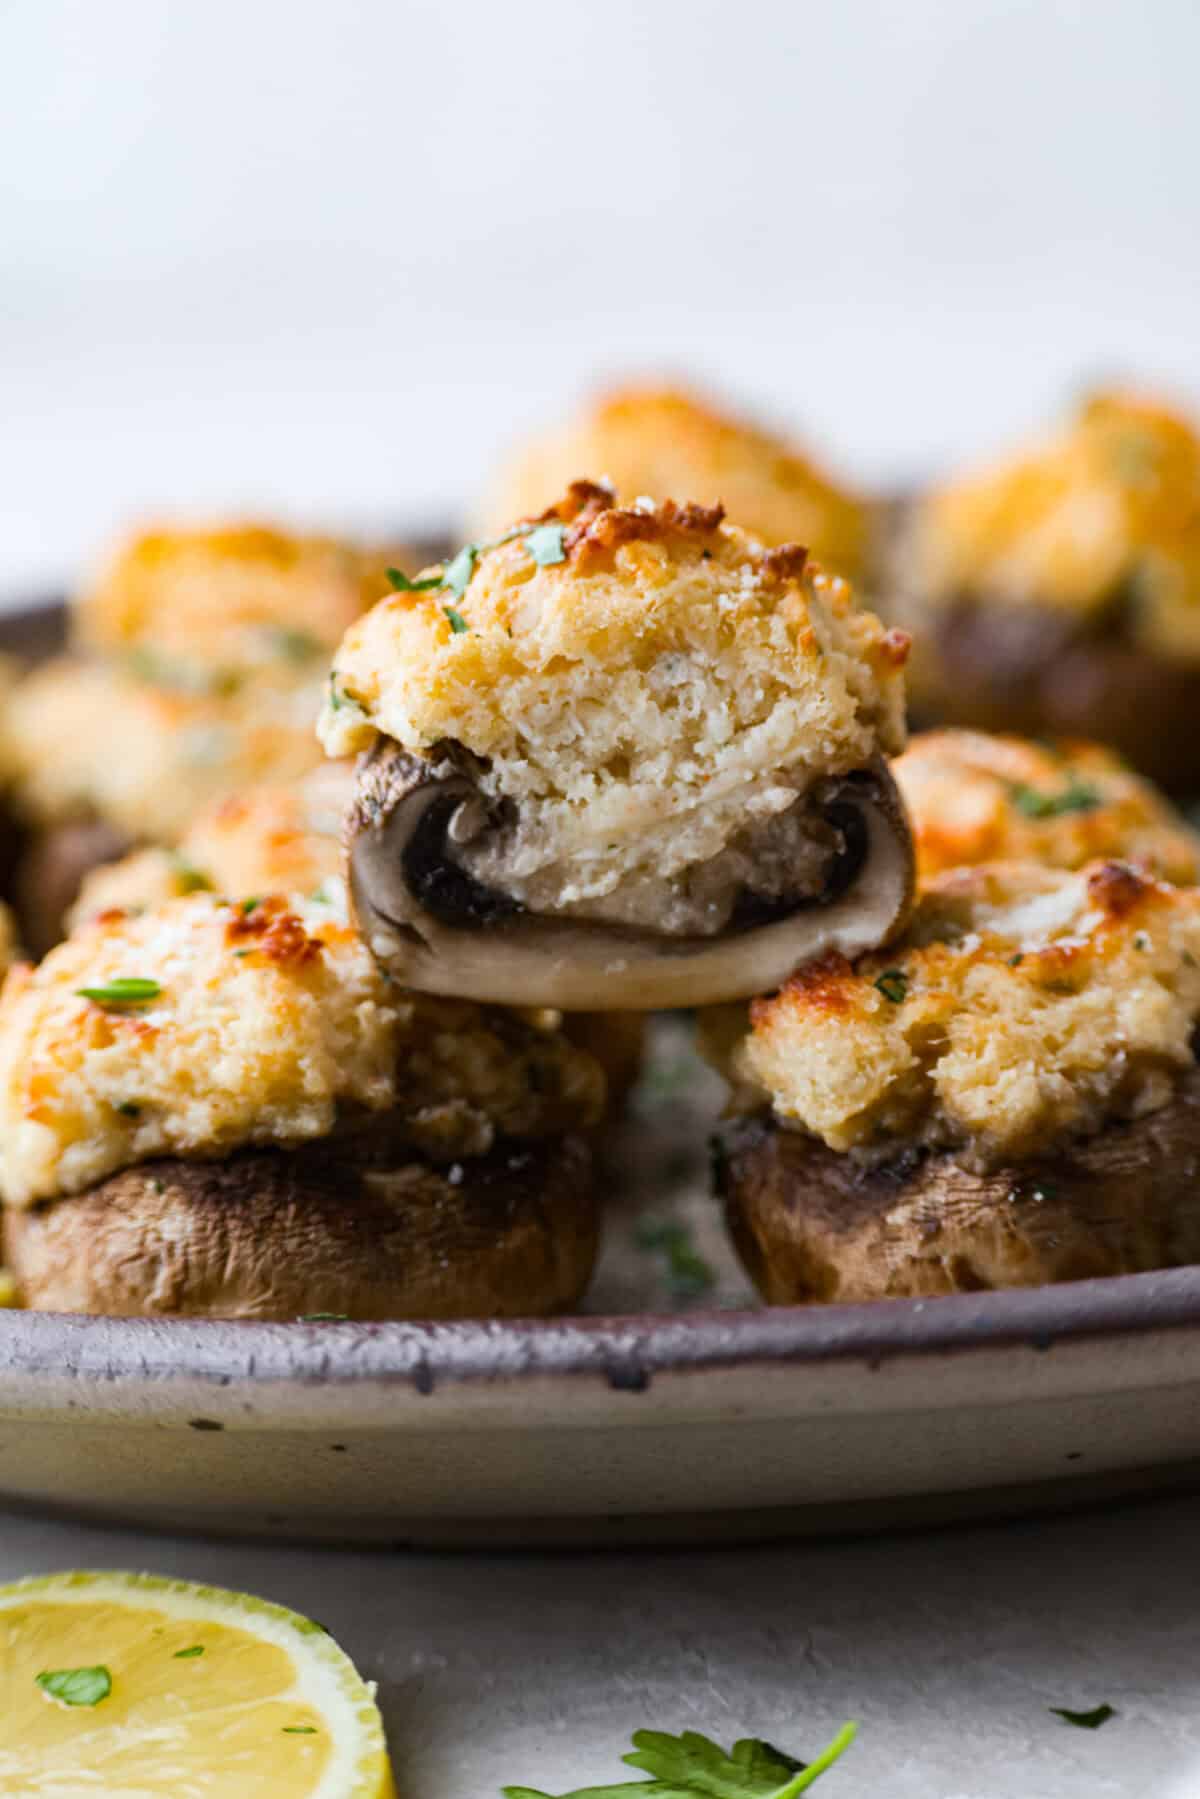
(50, 871)
(1028, 669)
(814, 1225)
(437, 929)
(351, 1228)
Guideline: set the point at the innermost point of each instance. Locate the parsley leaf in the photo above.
(545, 545)
(402, 584)
(342, 702)
(1076, 796)
(185, 1655)
(76, 1686)
(458, 571)
(188, 878)
(692, 1766)
(323, 1318)
(1099, 1714)
(458, 623)
(299, 1730)
(126, 990)
(893, 984)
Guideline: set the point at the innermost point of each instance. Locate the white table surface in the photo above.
(948, 1647)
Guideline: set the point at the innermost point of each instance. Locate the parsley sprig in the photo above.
(545, 543)
(691, 1766)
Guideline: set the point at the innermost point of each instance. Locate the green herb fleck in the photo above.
(188, 878)
(76, 1686)
(1076, 796)
(893, 984)
(545, 545)
(126, 990)
(1016, 961)
(342, 702)
(402, 584)
(186, 1655)
(456, 575)
(323, 1318)
(458, 623)
(299, 1730)
(129, 1108)
(1141, 940)
(251, 905)
(688, 1274)
(1099, 1714)
(691, 1766)
(293, 645)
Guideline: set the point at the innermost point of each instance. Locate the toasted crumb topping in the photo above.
(237, 600)
(1025, 1007)
(973, 798)
(94, 739)
(1100, 521)
(655, 441)
(278, 838)
(637, 681)
(207, 1025)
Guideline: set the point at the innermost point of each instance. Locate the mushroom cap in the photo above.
(357, 1227)
(814, 1225)
(436, 930)
(974, 798)
(656, 440)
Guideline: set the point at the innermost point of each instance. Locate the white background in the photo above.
(322, 258)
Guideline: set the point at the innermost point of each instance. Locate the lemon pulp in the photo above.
(213, 1695)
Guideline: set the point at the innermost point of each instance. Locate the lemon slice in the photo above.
(124, 1684)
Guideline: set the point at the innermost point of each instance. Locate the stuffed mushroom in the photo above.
(657, 441)
(223, 1108)
(621, 758)
(199, 664)
(1060, 591)
(1009, 1097)
(973, 798)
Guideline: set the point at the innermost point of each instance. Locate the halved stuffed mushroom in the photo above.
(1008, 1097)
(1060, 591)
(621, 758)
(223, 1108)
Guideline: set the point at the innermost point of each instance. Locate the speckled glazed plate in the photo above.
(677, 1409)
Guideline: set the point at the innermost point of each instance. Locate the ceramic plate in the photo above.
(676, 1409)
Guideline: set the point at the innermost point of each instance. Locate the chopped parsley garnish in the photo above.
(188, 878)
(688, 1274)
(186, 1655)
(545, 545)
(342, 702)
(129, 1108)
(323, 1318)
(1076, 796)
(126, 990)
(251, 905)
(76, 1686)
(402, 584)
(458, 623)
(691, 1766)
(456, 575)
(299, 1730)
(893, 984)
(1099, 1714)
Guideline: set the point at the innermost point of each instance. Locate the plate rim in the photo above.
(627, 1352)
